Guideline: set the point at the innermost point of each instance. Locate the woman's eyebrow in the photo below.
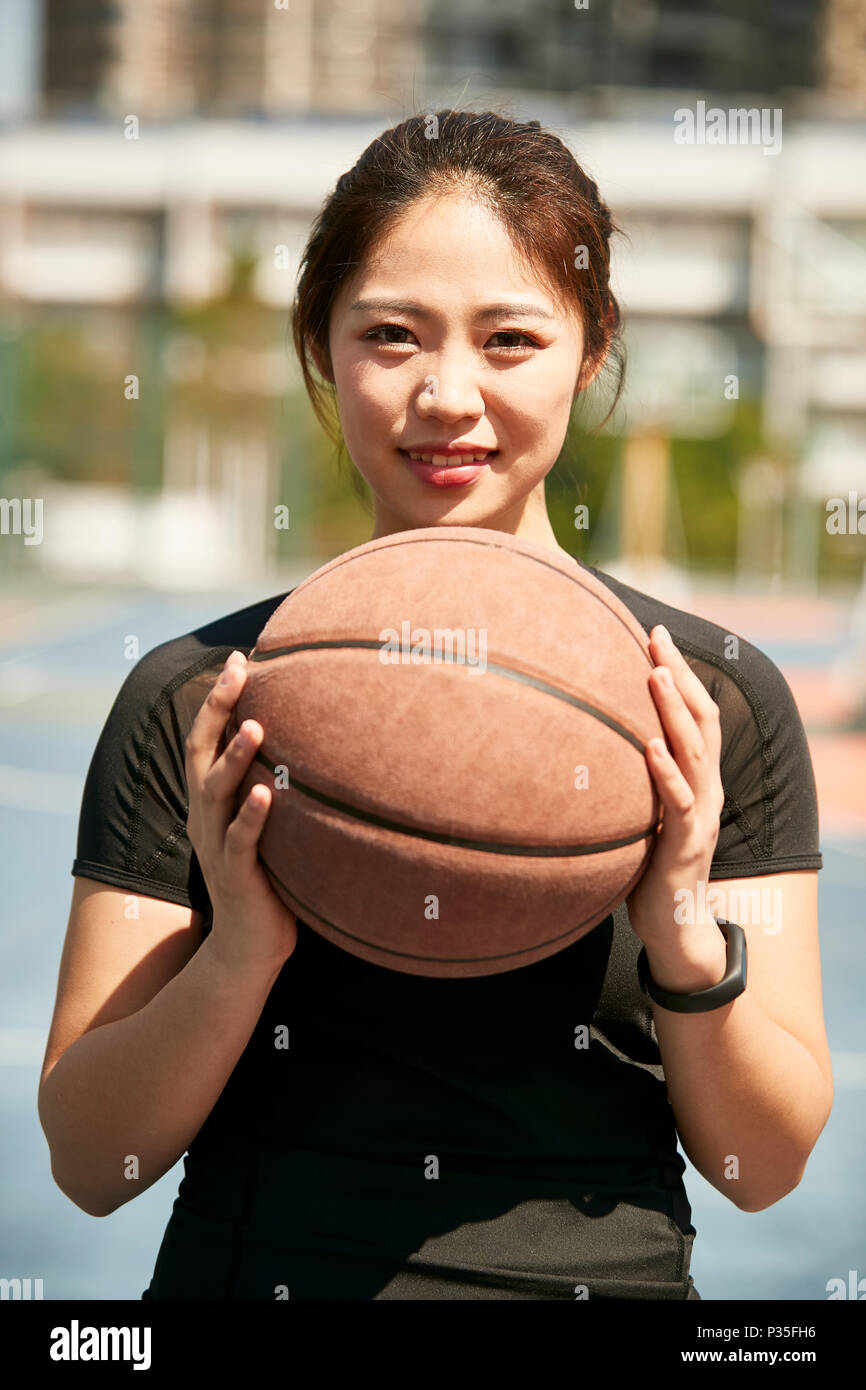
(490, 312)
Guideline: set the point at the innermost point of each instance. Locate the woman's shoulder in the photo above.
(132, 824)
(187, 664)
(716, 653)
(770, 820)
(142, 739)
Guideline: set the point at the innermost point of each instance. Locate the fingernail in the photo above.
(658, 747)
(665, 636)
(227, 669)
(666, 680)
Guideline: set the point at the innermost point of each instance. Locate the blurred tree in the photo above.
(213, 366)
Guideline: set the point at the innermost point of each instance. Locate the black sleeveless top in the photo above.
(436, 1138)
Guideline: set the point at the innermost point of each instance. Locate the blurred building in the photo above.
(843, 52)
(173, 58)
(168, 59)
(739, 267)
(742, 266)
(570, 48)
(21, 59)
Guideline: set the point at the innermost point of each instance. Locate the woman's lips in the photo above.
(450, 473)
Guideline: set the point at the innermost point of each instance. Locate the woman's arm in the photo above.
(750, 1083)
(123, 1101)
(156, 1030)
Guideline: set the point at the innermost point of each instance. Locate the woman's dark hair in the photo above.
(526, 176)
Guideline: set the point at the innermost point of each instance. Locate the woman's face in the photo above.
(462, 346)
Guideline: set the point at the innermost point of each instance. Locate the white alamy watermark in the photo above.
(846, 518)
(738, 126)
(21, 1288)
(421, 646)
(854, 1289)
(754, 907)
(22, 516)
(76, 1343)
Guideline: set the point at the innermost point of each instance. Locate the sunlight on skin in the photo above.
(505, 383)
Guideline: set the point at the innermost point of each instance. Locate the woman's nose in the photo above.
(453, 394)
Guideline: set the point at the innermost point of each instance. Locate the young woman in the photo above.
(445, 303)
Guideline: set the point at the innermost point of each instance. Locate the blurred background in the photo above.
(160, 166)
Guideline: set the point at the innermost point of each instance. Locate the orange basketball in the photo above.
(454, 730)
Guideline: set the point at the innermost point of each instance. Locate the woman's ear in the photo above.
(591, 366)
(323, 363)
(589, 371)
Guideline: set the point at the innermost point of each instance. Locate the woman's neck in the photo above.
(528, 521)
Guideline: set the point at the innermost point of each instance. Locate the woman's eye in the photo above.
(514, 333)
(373, 333)
(376, 335)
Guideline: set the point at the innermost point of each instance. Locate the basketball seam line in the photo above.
(438, 960)
(338, 561)
(509, 672)
(458, 841)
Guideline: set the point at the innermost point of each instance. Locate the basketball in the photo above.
(454, 730)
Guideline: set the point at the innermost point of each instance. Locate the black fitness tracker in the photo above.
(703, 999)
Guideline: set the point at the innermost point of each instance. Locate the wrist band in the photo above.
(702, 1000)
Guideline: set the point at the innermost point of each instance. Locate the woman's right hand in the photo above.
(252, 927)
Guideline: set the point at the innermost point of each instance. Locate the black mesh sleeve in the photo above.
(134, 807)
(770, 819)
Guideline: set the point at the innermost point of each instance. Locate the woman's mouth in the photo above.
(448, 470)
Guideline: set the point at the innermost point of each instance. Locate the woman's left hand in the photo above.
(690, 786)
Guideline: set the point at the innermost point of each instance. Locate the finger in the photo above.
(242, 835)
(684, 831)
(673, 787)
(677, 797)
(697, 761)
(226, 773)
(203, 740)
(214, 768)
(697, 698)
